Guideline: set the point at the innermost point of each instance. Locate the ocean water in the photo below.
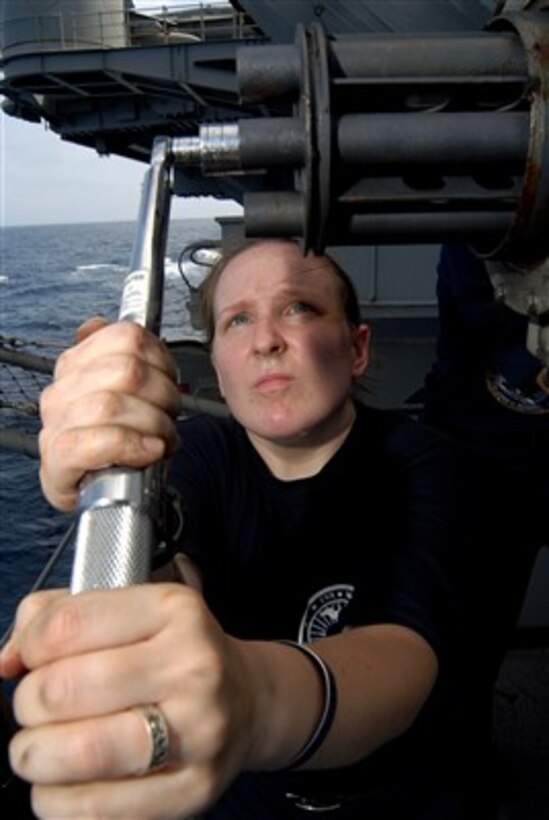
(51, 279)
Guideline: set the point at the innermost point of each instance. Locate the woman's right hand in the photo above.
(113, 400)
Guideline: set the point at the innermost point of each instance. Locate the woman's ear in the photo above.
(361, 348)
(217, 375)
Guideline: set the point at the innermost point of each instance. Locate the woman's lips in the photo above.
(272, 382)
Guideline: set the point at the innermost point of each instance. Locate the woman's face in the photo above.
(284, 353)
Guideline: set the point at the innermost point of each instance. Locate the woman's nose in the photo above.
(267, 337)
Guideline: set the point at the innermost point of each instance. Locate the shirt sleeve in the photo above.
(426, 536)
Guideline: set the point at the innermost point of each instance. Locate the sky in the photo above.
(44, 180)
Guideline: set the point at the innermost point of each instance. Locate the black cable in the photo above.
(190, 252)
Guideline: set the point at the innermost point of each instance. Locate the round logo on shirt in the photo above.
(531, 398)
(323, 611)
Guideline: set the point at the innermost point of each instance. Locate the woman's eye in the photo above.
(300, 307)
(237, 320)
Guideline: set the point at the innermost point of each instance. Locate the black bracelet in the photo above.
(328, 713)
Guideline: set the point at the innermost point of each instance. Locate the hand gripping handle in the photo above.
(119, 508)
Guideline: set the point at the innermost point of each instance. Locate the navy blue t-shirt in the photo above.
(374, 537)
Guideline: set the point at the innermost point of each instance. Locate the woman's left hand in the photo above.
(90, 660)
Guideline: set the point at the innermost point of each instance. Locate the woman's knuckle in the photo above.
(90, 754)
(46, 401)
(29, 607)
(65, 624)
(132, 372)
(58, 692)
(63, 364)
(20, 753)
(61, 447)
(173, 601)
(41, 802)
(43, 442)
(107, 405)
(135, 336)
(49, 803)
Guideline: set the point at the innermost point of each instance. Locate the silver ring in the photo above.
(159, 734)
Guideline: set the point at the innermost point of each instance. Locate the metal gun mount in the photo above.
(403, 139)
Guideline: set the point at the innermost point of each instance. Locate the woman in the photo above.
(308, 517)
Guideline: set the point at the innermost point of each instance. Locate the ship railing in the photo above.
(200, 21)
(24, 374)
(120, 25)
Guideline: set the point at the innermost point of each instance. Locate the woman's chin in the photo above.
(272, 424)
